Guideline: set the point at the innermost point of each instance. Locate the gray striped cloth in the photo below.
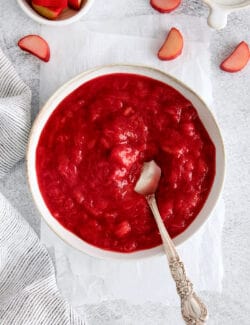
(28, 290)
(15, 99)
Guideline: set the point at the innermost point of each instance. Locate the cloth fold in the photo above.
(28, 290)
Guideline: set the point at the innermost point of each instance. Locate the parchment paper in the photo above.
(83, 279)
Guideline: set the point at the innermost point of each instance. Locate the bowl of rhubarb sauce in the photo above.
(87, 147)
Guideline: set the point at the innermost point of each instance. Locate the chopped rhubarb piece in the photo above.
(51, 3)
(47, 12)
(173, 45)
(75, 4)
(165, 5)
(35, 45)
(237, 60)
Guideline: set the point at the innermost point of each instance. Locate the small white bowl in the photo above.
(205, 116)
(220, 9)
(69, 16)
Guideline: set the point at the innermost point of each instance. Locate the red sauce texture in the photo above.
(91, 151)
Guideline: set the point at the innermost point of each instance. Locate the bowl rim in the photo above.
(63, 92)
(44, 21)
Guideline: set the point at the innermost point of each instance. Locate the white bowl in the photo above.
(205, 116)
(67, 17)
(220, 9)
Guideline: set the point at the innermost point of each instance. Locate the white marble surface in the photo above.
(231, 101)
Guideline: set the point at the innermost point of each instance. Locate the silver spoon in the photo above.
(192, 308)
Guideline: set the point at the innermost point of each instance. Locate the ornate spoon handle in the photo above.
(194, 312)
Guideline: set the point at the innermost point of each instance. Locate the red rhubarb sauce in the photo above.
(91, 151)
